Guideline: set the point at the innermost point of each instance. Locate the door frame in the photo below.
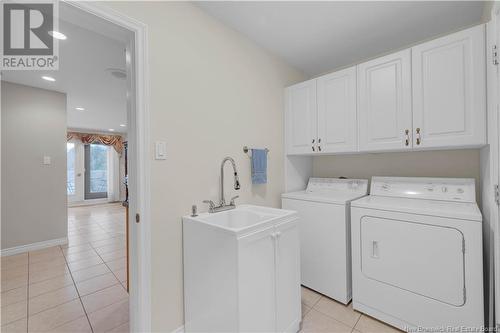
(490, 173)
(139, 162)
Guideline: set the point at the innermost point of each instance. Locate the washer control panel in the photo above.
(336, 184)
(445, 189)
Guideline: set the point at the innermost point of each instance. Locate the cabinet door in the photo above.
(301, 118)
(257, 301)
(384, 103)
(288, 303)
(449, 94)
(337, 112)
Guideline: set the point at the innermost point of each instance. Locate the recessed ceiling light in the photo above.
(111, 129)
(57, 35)
(48, 78)
(123, 125)
(79, 108)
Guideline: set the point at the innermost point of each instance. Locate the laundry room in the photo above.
(250, 166)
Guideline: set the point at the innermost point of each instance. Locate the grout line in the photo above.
(67, 322)
(359, 318)
(105, 263)
(96, 291)
(53, 277)
(92, 276)
(55, 306)
(305, 314)
(115, 303)
(81, 269)
(79, 297)
(316, 303)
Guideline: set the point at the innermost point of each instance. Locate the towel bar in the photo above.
(246, 150)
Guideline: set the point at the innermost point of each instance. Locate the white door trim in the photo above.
(492, 38)
(140, 233)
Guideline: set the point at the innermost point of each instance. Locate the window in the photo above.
(96, 171)
(71, 162)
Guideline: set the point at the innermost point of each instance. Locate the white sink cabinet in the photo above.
(242, 271)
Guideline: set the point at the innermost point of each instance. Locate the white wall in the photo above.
(33, 194)
(213, 91)
(451, 163)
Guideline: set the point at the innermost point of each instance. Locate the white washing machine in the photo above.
(325, 250)
(417, 253)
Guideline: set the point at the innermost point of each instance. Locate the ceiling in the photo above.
(319, 37)
(93, 46)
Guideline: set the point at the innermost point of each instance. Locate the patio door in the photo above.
(75, 168)
(96, 171)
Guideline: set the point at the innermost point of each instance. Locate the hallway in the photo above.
(79, 287)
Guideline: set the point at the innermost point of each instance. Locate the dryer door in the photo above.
(421, 258)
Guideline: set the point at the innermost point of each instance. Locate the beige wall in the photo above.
(452, 163)
(213, 91)
(33, 194)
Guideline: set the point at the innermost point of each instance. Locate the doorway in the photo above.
(90, 173)
(96, 171)
(138, 183)
(93, 180)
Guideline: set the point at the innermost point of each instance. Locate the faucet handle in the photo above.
(210, 203)
(232, 200)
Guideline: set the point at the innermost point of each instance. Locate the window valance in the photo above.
(87, 138)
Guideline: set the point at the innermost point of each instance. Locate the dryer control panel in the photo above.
(337, 184)
(444, 189)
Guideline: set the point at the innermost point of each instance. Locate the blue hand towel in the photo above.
(259, 166)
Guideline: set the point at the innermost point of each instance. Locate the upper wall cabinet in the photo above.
(301, 118)
(321, 114)
(337, 112)
(384, 103)
(449, 99)
(427, 97)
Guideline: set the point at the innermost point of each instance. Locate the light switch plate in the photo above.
(46, 160)
(160, 150)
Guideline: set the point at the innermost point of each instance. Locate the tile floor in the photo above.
(322, 314)
(79, 287)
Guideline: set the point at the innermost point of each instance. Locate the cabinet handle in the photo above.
(319, 146)
(313, 145)
(407, 140)
(419, 138)
(375, 254)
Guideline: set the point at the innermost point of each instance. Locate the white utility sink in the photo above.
(242, 271)
(243, 218)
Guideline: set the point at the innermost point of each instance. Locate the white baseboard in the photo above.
(33, 246)
(179, 329)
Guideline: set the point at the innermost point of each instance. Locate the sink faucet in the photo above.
(222, 203)
(236, 179)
